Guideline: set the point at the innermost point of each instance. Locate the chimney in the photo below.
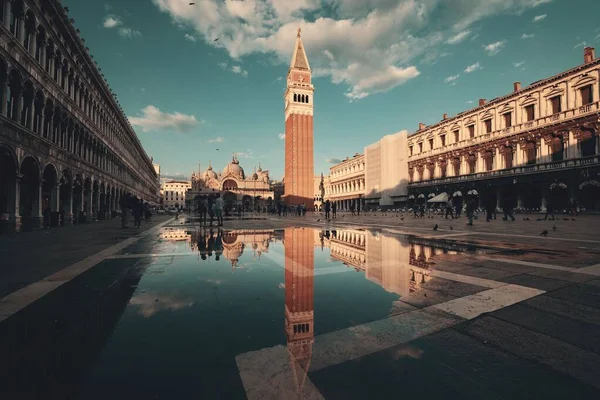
(588, 55)
(421, 126)
(445, 117)
(481, 102)
(517, 86)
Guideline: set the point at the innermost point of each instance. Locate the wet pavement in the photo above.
(263, 311)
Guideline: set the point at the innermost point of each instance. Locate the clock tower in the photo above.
(299, 142)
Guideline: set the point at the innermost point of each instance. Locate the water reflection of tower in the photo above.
(299, 294)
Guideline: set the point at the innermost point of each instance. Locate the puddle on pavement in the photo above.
(167, 327)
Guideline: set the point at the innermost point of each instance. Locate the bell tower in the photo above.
(299, 300)
(299, 143)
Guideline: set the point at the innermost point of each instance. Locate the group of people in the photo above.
(213, 208)
(136, 207)
(292, 209)
(209, 242)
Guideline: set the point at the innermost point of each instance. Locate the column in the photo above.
(7, 6)
(573, 146)
(37, 215)
(21, 31)
(544, 153)
(33, 44)
(68, 216)
(4, 98)
(497, 159)
(14, 214)
(88, 211)
(55, 198)
(97, 194)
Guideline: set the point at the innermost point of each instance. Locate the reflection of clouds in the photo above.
(407, 351)
(151, 303)
(214, 281)
(281, 285)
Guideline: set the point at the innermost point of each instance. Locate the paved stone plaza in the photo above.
(359, 307)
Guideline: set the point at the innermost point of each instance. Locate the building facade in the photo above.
(66, 146)
(299, 146)
(386, 175)
(236, 188)
(346, 186)
(513, 148)
(173, 193)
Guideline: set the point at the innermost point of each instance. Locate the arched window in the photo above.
(64, 75)
(307, 99)
(40, 39)
(14, 92)
(295, 97)
(29, 31)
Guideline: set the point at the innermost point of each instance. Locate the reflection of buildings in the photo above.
(299, 294)
(399, 266)
(237, 188)
(175, 234)
(233, 242)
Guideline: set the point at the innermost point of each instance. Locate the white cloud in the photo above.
(470, 102)
(236, 69)
(582, 44)
(451, 78)
(279, 78)
(153, 119)
(333, 160)
(369, 46)
(281, 136)
(494, 48)
(518, 64)
(539, 18)
(245, 154)
(189, 37)
(459, 37)
(111, 21)
(218, 139)
(129, 33)
(107, 7)
(473, 67)
(527, 35)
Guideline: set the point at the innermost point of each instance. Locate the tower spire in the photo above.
(299, 59)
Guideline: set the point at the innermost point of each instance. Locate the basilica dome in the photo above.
(209, 173)
(234, 169)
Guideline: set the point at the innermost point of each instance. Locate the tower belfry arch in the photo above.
(299, 133)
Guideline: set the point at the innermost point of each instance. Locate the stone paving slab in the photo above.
(581, 294)
(28, 257)
(581, 334)
(525, 343)
(538, 282)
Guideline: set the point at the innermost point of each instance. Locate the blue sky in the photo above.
(381, 66)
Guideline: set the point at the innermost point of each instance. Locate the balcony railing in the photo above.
(515, 129)
(516, 171)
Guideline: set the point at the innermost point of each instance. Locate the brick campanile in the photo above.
(299, 157)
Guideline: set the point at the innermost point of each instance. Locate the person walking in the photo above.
(471, 205)
(358, 207)
(334, 209)
(449, 209)
(203, 209)
(507, 208)
(219, 205)
(327, 209)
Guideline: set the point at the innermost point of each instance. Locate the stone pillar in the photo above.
(33, 44)
(573, 146)
(98, 205)
(68, 215)
(88, 211)
(55, 198)
(544, 152)
(14, 201)
(4, 98)
(7, 5)
(21, 31)
(37, 215)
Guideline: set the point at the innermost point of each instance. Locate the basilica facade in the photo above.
(234, 185)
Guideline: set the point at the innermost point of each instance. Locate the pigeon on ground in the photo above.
(539, 219)
(435, 227)
(319, 220)
(553, 227)
(544, 233)
(451, 228)
(191, 4)
(573, 219)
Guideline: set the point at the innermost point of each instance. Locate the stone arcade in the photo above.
(65, 143)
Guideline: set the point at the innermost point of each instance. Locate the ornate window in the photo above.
(488, 125)
(556, 104)
(587, 96)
